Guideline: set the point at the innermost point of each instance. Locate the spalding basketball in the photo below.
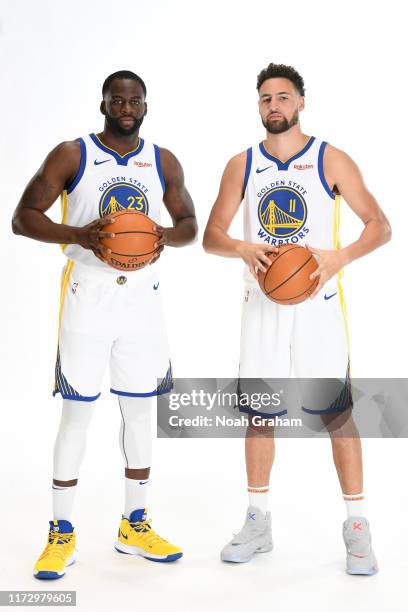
(133, 245)
(287, 281)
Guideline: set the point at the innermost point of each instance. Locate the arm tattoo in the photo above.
(43, 187)
(40, 192)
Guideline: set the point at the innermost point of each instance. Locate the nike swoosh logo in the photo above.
(123, 535)
(259, 170)
(145, 482)
(327, 297)
(155, 287)
(97, 163)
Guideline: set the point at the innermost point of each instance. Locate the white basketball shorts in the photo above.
(307, 341)
(111, 319)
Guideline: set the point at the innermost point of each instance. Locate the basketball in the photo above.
(287, 281)
(133, 245)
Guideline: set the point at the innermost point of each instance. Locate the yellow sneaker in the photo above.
(58, 553)
(136, 537)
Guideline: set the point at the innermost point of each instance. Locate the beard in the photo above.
(277, 126)
(115, 127)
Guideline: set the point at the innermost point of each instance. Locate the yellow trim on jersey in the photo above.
(336, 223)
(110, 149)
(64, 205)
(336, 246)
(64, 210)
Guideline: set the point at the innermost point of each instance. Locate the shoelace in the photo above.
(149, 535)
(53, 549)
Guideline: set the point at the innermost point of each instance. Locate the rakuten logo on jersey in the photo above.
(142, 164)
(303, 166)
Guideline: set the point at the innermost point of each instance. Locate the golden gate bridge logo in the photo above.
(123, 196)
(282, 212)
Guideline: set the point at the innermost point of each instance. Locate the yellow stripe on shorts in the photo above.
(64, 284)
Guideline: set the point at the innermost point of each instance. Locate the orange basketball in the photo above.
(287, 281)
(133, 245)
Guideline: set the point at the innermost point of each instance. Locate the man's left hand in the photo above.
(330, 262)
(162, 240)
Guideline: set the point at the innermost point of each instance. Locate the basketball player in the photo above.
(107, 317)
(301, 178)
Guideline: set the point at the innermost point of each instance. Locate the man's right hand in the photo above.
(90, 235)
(255, 255)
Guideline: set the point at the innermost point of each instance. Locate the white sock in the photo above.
(259, 497)
(135, 494)
(62, 502)
(354, 504)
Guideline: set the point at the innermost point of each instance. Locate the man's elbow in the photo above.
(194, 230)
(16, 225)
(207, 241)
(387, 231)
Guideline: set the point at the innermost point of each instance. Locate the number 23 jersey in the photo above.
(107, 182)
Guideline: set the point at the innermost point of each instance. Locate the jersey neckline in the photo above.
(285, 165)
(122, 160)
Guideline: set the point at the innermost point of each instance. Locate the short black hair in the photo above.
(122, 74)
(285, 72)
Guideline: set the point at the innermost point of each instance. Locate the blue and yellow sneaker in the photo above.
(58, 553)
(136, 537)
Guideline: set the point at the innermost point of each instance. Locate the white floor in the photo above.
(197, 501)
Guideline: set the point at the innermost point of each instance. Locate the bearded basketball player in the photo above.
(290, 186)
(97, 175)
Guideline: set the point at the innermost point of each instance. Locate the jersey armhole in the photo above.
(71, 186)
(321, 171)
(159, 167)
(247, 169)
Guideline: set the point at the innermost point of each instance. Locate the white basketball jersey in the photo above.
(289, 202)
(106, 183)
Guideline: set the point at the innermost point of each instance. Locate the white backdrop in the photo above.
(200, 61)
